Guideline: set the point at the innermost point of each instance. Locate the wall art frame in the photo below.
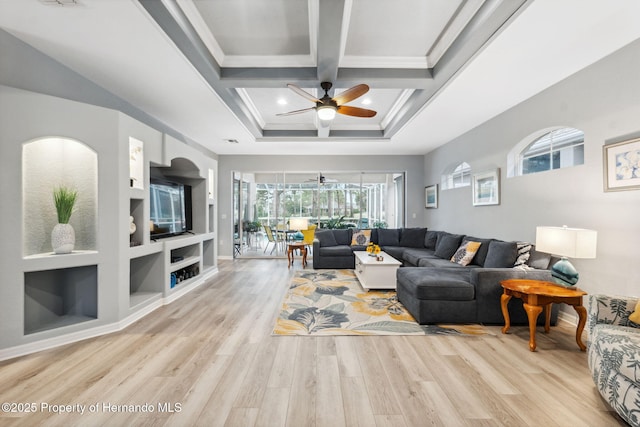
(431, 196)
(485, 188)
(622, 165)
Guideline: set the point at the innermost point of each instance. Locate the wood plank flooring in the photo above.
(210, 358)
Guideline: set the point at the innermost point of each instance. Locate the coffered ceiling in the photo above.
(217, 70)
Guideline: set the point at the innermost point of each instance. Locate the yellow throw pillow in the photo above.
(635, 316)
(361, 237)
(465, 253)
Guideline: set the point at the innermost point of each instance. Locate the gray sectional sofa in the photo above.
(435, 289)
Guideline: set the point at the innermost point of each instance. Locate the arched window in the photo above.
(457, 175)
(547, 150)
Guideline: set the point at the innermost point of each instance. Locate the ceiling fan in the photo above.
(327, 107)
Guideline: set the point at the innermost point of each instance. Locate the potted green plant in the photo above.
(63, 237)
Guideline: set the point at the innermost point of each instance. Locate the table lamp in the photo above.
(298, 224)
(567, 243)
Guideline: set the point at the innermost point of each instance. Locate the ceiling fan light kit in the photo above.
(326, 112)
(327, 107)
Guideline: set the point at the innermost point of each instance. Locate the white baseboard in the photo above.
(225, 257)
(48, 343)
(569, 318)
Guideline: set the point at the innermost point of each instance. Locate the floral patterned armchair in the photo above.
(614, 353)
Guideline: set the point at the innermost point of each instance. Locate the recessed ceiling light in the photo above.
(282, 101)
(366, 101)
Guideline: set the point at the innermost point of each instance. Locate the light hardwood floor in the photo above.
(211, 355)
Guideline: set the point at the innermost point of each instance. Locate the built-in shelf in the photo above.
(146, 278)
(52, 261)
(61, 297)
(136, 193)
(175, 266)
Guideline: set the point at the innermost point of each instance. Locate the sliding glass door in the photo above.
(327, 199)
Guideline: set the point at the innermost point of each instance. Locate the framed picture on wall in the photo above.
(485, 187)
(431, 196)
(622, 165)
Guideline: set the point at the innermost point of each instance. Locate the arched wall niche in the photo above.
(48, 163)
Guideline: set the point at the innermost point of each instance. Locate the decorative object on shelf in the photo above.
(431, 196)
(298, 224)
(486, 188)
(373, 249)
(622, 165)
(567, 243)
(63, 237)
(132, 226)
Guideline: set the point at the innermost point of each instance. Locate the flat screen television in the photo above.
(170, 208)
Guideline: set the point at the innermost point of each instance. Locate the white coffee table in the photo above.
(374, 274)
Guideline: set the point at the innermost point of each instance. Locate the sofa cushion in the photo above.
(617, 346)
(326, 238)
(481, 255)
(466, 252)
(395, 251)
(537, 259)
(501, 254)
(437, 284)
(447, 245)
(430, 239)
(412, 237)
(343, 237)
(414, 255)
(440, 263)
(360, 237)
(338, 250)
(389, 237)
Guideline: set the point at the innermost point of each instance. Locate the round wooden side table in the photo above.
(303, 251)
(536, 294)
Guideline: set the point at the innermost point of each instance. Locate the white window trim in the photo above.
(514, 159)
(446, 176)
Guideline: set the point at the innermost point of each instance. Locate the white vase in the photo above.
(63, 238)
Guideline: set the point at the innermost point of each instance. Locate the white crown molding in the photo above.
(268, 61)
(253, 110)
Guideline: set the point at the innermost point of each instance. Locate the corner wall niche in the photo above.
(46, 164)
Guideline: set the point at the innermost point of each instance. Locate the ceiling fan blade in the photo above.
(355, 111)
(302, 93)
(351, 94)
(290, 113)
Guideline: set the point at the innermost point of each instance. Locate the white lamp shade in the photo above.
(326, 112)
(567, 242)
(298, 223)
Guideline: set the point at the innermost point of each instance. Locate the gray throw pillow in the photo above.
(343, 237)
(326, 238)
(412, 237)
(501, 254)
(447, 245)
(389, 237)
(430, 239)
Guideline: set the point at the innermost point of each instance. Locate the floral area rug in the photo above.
(332, 302)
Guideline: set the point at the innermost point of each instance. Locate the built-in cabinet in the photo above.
(116, 273)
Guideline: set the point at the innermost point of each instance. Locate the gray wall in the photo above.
(412, 165)
(50, 77)
(602, 100)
